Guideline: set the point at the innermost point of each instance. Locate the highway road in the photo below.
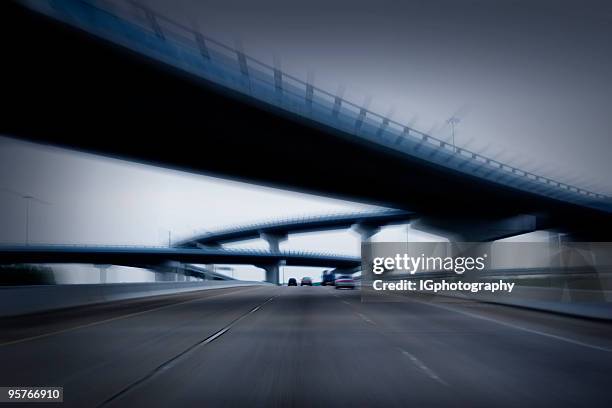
(308, 346)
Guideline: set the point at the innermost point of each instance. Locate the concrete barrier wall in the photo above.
(17, 300)
(559, 298)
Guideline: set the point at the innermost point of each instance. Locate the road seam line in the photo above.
(112, 319)
(364, 317)
(430, 373)
(177, 358)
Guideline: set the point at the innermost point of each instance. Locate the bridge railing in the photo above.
(152, 249)
(136, 26)
(287, 221)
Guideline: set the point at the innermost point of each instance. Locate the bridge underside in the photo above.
(69, 89)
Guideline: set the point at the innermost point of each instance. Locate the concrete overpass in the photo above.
(273, 346)
(167, 84)
(275, 231)
(159, 257)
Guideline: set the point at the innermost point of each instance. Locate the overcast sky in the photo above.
(530, 79)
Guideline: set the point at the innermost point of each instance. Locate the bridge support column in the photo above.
(169, 272)
(366, 231)
(272, 273)
(273, 240)
(474, 237)
(162, 277)
(103, 273)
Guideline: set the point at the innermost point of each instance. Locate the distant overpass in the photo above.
(279, 229)
(147, 256)
(230, 115)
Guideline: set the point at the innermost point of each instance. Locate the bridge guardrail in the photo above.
(138, 27)
(576, 291)
(291, 221)
(18, 300)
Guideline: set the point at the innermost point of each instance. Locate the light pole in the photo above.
(28, 200)
(452, 121)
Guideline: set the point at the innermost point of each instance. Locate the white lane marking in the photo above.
(517, 327)
(216, 335)
(430, 373)
(364, 317)
(112, 319)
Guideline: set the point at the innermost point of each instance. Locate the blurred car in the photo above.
(345, 281)
(291, 282)
(306, 281)
(328, 278)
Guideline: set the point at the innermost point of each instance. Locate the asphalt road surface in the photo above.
(308, 346)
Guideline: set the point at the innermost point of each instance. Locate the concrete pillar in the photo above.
(165, 276)
(570, 253)
(366, 231)
(554, 247)
(272, 273)
(273, 240)
(103, 273)
(210, 269)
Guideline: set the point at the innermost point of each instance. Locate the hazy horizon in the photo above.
(95, 200)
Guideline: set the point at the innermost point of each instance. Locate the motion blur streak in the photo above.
(315, 346)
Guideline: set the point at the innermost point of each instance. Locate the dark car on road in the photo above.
(328, 278)
(292, 282)
(306, 281)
